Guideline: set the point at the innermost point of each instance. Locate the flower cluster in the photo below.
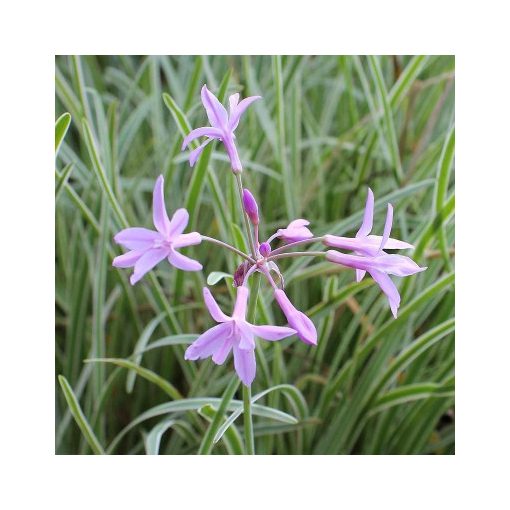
(234, 333)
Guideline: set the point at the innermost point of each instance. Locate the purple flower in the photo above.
(250, 206)
(298, 320)
(149, 247)
(222, 127)
(233, 333)
(363, 243)
(380, 265)
(295, 231)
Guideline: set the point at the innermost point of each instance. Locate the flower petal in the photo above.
(387, 227)
(233, 155)
(272, 333)
(295, 231)
(233, 101)
(207, 343)
(216, 112)
(239, 110)
(211, 132)
(304, 327)
(189, 239)
(180, 261)
(137, 238)
(399, 265)
(391, 244)
(178, 223)
(245, 364)
(245, 335)
(128, 259)
(222, 352)
(159, 215)
(194, 154)
(368, 216)
(360, 274)
(388, 287)
(146, 262)
(241, 302)
(213, 307)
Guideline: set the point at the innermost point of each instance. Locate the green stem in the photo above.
(248, 423)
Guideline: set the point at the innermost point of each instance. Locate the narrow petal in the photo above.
(194, 154)
(387, 227)
(360, 274)
(239, 110)
(245, 335)
(137, 238)
(207, 343)
(241, 302)
(129, 259)
(222, 352)
(159, 215)
(189, 239)
(391, 244)
(180, 261)
(388, 287)
(213, 307)
(297, 320)
(368, 216)
(146, 262)
(272, 333)
(216, 112)
(245, 365)
(233, 156)
(354, 261)
(399, 265)
(211, 132)
(233, 101)
(298, 223)
(178, 223)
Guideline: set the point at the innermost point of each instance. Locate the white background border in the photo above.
(33, 32)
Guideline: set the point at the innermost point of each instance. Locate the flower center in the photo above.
(162, 243)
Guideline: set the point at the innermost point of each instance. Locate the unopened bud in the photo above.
(250, 206)
(265, 249)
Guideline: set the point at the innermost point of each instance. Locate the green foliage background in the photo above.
(326, 129)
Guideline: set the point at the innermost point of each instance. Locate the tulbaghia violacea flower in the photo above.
(363, 243)
(380, 265)
(250, 206)
(298, 320)
(222, 127)
(233, 333)
(149, 247)
(296, 231)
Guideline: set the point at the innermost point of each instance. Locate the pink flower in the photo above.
(233, 333)
(222, 127)
(380, 265)
(363, 243)
(298, 320)
(149, 247)
(295, 231)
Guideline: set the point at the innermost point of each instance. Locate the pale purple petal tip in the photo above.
(128, 259)
(146, 262)
(304, 327)
(245, 365)
(368, 216)
(213, 307)
(178, 223)
(211, 132)
(136, 238)
(180, 261)
(160, 217)
(272, 333)
(216, 112)
(189, 239)
(207, 343)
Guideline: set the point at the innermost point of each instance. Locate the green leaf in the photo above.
(79, 417)
(61, 127)
(151, 376)
(217, 276)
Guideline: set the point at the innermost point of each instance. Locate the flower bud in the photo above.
(250, 206)
(240, 273)
(297, 320)
(265, 250)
